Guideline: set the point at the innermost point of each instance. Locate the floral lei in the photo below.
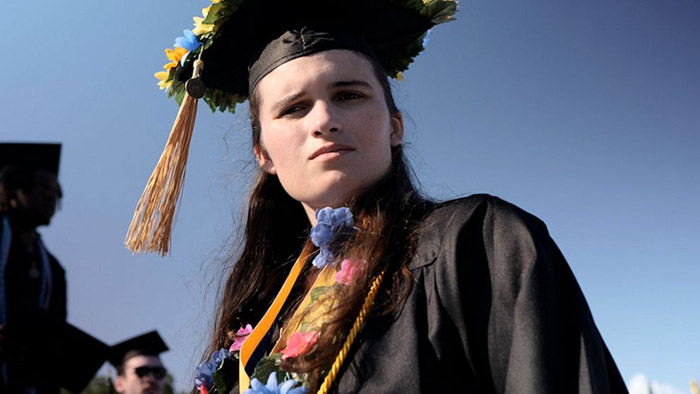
(220, 372)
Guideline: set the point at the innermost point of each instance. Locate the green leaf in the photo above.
(441, 11)
(226, 375)
(207, 42)
(233, 5)
(216, 12)
(268, 365)
(319, 291)
(210, 103)
(179, 94)
(415, 4)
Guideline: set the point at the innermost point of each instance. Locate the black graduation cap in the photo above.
(394, 30)
(389, 29)
(57, 350)
(149, 344)
(36, 156)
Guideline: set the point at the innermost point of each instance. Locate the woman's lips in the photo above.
(330, 151)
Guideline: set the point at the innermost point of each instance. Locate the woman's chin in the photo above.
(334, 200)
(334, 191)
(327, 201)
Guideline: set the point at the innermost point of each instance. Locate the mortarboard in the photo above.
(240, 49)
(37, 156)
(236, 43)
(150, 344)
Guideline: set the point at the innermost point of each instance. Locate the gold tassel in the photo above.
(152, 222)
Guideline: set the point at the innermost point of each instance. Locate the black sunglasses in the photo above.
(157, 372)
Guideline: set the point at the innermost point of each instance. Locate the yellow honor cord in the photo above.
(359, 321)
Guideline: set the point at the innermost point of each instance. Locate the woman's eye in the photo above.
(292, 110)
(349, 96)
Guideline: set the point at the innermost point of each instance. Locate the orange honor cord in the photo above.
(264, 325)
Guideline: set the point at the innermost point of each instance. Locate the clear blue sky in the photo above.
(585, 113)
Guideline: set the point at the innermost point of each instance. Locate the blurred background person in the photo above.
(138, 365)
(32, 282)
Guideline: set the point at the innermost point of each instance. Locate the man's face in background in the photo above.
(141, 374)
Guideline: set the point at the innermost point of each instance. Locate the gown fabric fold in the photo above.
(494, 308)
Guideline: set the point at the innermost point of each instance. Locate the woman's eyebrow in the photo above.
(283, 102)
(339, 84)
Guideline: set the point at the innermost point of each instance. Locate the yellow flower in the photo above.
(164, 84)
(175, 55)
(399, 76)
(163, 77)
(201, 28)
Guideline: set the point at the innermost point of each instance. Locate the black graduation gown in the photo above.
(494, 308)
(22, 298)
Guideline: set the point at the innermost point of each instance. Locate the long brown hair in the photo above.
(277, 228)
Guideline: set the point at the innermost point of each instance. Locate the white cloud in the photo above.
(639, 384)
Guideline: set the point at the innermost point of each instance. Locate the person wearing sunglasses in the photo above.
(139, 367)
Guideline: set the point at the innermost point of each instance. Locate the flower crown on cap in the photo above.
(207, 30)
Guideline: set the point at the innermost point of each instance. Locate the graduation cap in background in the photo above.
(57, 350)
(34, 156)
(148, 344)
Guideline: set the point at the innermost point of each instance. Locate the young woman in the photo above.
(352, 280)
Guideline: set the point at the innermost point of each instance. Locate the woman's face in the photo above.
(326, 130)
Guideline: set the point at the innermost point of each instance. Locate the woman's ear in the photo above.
(264, 159)
(396, 136)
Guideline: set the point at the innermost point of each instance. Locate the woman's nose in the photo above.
(324, 119)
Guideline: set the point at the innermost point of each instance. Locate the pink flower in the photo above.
(349, 269)
(240, 337)
(299, 343)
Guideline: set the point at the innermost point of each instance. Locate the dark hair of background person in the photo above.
(133, 353)
(277, 228)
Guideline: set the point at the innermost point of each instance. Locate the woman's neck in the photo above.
(310, 213)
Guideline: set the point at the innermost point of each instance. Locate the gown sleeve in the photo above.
(58, 307)
(522, 319)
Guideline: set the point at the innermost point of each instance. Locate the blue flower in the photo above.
(256, 387)
(323, 258)
(333, 226)
(203, 375)
(189, 41)
(218, 357)
(426, 39)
